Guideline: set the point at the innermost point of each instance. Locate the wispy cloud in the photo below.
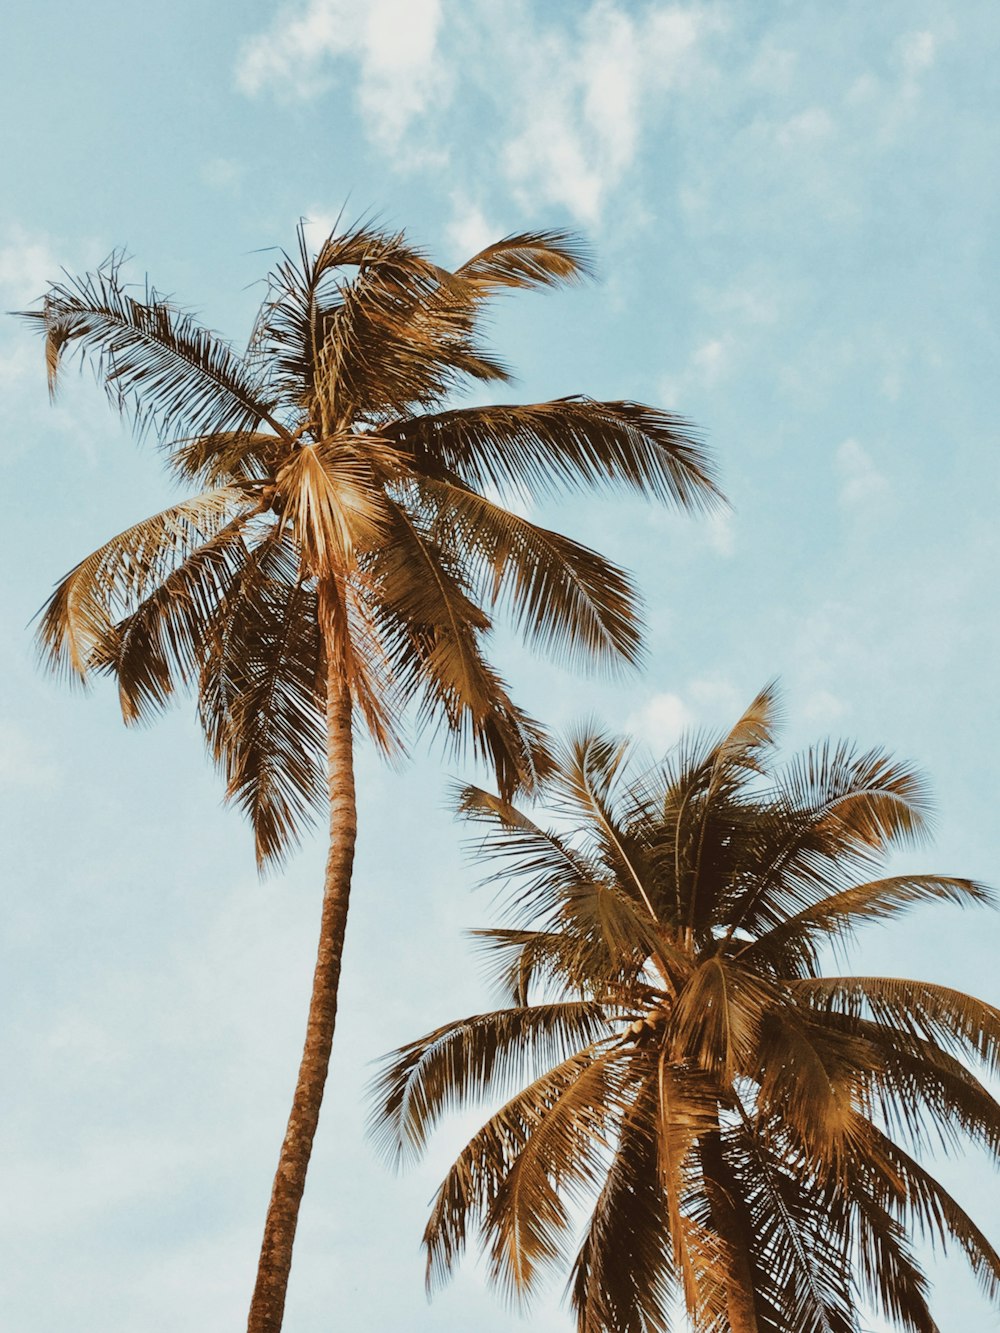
(708, 701)
(393, 43)
(570, 100)
(861, 482)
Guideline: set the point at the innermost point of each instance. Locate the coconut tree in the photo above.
(693, 1109)
(342, 559)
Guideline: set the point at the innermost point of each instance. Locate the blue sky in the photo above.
(794, 211)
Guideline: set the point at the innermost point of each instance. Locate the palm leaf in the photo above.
(956, 1021)
(159, 366)
(528, 259)
(565, 598)
(262, 698)
(464, 1061)
(77, 629)
(794, 943)
(565, 445)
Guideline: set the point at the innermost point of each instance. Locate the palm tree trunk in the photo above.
(268, 1304)
(732, 1222)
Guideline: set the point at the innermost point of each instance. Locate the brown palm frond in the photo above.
(909, 1191)
(624, 1276)
(918, 1089)
(794, 943)
(718, 1018)
(262, 697)
(329, 500)
(160, 367)
(950, 1018)
(471, 1187)
(800, 1248)
(528, 259)
(564, 446)
(227, 457)
(440, 661)
(486, 1053)
(77, 628)
(566, 599)
(162, 644)
(833, 810)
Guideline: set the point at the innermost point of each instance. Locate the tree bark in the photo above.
(732, 1222)
(268, 1304)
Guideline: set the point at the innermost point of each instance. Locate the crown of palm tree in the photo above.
(687, 1091)
(347, 513)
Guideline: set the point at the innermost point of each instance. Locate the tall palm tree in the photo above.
(343, 558)
(692, 1105)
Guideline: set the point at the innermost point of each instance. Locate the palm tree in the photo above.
(343, 559)
(691, 1104)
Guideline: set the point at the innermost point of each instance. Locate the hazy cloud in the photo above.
(393, 42)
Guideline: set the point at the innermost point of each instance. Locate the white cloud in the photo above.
(720, 533)
(806, 129)
(469, 230)
(570, 100)
(222, 173)
(394, 43)
(711, 701)
(711, 360)
(584, 99)
(27, 266)
(661, 721)
(917, 52)
(861, 483)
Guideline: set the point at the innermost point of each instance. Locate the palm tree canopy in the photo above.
(346, 509)
(684, 1091)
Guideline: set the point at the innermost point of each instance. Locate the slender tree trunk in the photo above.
(267, 1307)
(732, 1222)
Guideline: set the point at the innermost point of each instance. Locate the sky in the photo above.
(794, 214)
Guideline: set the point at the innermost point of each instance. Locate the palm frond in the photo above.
(163, 642)
(955, 1021)
(463, 1061)
(801, 1254)
(262, 698)
(623, 1277)
(472, 1186)
(568, 600)
(438, 658)
(794, 943)
(160, 367)
(77, 629)
(332, 504)
(909, 1190)
(563, 446)
(528, 259)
